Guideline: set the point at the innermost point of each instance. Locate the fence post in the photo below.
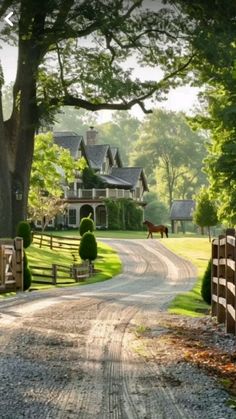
(51, 243)
(19, 268)
(220, 287)
(54, 274)
(230, 283)
(214, 276)
(2, 272)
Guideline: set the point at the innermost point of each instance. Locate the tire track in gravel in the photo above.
(116, 392)
(98, 374)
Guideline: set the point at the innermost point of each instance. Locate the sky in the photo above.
(180, 99)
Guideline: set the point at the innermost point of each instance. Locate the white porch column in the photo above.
(94, 206)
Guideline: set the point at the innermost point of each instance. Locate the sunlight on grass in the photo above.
(107, 265)
(198, 251)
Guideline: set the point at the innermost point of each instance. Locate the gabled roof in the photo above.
(130, 175)
(182, 209)
(115, 181)
(97, 153)
(116, 156)
(68, 140)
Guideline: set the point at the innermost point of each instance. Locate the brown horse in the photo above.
(155, 229)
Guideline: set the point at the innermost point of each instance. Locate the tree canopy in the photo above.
(171, 154)
(75, 53)
(213, 34)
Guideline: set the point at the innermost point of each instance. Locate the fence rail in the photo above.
(57, 243)
(55, 273)
(223, 281)
(11, 265)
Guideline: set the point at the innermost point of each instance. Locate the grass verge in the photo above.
(108, 264)
(197, 250)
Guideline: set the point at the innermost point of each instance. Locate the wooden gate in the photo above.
(11, 265)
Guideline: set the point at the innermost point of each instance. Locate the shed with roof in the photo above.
(181, 211)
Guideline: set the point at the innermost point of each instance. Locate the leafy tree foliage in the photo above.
(121, 132)
(155, 210)
(123, 214)
(212, 36)
(71, 53)
(205, 214)
(52, 169)
(90, 179)
(171, 153)
(73, 119)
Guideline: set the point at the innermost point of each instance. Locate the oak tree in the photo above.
(72, 53)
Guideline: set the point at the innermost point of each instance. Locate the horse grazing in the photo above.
(155, 229)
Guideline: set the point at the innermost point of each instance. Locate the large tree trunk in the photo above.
(5, 183)
(17, 141)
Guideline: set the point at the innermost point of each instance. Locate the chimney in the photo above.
(91, 136)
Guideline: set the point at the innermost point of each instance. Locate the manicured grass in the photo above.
(121, 234)
(107, 265)
(197, 250)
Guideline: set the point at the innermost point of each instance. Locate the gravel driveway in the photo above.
(76, 352)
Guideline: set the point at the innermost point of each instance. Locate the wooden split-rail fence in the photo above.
(68, 244)
(224, 280)
(56, 274)
(11, 265)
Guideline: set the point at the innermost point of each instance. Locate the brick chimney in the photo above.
(91, 136)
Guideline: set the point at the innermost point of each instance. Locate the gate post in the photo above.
(18, 244)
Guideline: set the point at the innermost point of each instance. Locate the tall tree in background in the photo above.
(213, 34)
(73, 119)
(171, 154)
(53, 169)
(70, 53)
(205, 214)
(121, 132)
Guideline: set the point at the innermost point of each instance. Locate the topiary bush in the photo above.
(24, 230)
(27, 277)
(88, 247)
(206, 284)
(86, 224)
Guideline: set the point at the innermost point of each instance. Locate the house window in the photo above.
(72, 216)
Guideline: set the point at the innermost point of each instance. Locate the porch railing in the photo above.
(103, 193)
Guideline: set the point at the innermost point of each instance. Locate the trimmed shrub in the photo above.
(206, 284)
(27, 279)
(24, 230)
(86, 224)
(26, 274)
(88, 247)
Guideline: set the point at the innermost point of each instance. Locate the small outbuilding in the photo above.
(181, 211)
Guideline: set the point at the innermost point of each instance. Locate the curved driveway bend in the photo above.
(70, 353)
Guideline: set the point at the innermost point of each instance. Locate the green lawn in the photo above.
(107, 265)
(120, 234)
(197, 250)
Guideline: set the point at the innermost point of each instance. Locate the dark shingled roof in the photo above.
(69, 140)
(96, 154)
(130, 175)
(116, 156)
(115, 181)
(182, 209)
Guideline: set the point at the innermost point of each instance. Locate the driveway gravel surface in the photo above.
(77, 353)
